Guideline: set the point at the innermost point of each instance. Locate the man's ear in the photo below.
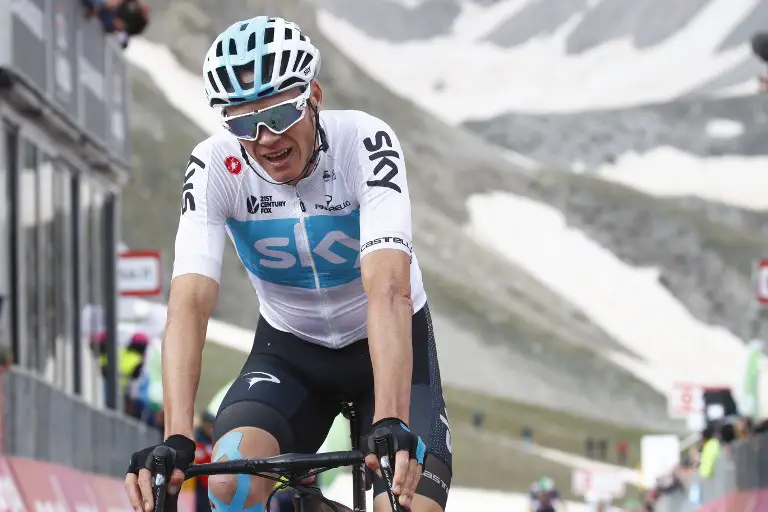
(316, 94)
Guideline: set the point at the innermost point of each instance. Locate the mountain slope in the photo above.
(551, 351)
(590, 86)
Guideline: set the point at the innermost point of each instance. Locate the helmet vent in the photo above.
(221, 72)
(245, 75)
(266, 92)
(299, 56)
(267, 66)
(213, 83)
(289, 82)
(284, 62)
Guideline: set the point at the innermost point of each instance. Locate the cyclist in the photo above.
(316, 204)
(544, 496)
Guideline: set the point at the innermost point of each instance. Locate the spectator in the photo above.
(478, 418)
(602, 448)
(131, 362)
(590, 452)
(760, 49)
(6, 357)
(527, 434)
(710, 449)
(123, 18)
(204, 440)
(622, 449)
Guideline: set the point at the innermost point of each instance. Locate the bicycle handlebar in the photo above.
(286, 462)
(383, 443)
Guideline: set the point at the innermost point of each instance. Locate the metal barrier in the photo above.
(45, 423)
(751, 459)
(740, 467)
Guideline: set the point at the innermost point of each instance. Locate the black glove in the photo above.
(403, 438)
(183, 448)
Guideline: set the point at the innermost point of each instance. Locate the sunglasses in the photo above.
(277, 118)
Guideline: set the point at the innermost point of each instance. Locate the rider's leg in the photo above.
(419, 504)
(273, 407)
(431, 493)
(241, 492)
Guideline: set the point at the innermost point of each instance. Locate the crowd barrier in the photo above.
(59, 454)
(28, 485)
(739, 483)
(44, 423)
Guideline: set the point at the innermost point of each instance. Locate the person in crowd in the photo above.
(204, 441)
(760, 49)
(622, 449)
(131, 363)
(123, 18)
(710, 449)
(602, 449)
(544, 496)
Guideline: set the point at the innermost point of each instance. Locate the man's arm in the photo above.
(190, 305)
(207, 194)
(385, 252)
(386, 280)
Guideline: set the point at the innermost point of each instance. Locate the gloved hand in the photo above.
(138, 477)
(409, 456)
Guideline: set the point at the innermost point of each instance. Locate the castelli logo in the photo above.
(234, 166)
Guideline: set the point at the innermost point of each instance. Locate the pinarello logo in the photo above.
(234, 166)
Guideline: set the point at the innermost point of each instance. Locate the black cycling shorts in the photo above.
(294, 389)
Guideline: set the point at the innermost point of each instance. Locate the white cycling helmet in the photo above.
(258, 58)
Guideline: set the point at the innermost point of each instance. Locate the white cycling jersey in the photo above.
(302, 245)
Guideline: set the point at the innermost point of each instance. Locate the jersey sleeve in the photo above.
(382, 189)
(202, 232)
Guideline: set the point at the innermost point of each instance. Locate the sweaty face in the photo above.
(282, 156)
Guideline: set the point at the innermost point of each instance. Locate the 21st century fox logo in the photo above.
(265, 204)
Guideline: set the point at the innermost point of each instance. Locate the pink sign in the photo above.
(33, 479)
(109, 493)
(74, 487)
(10, 498)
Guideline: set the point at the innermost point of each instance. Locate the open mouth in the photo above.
(279, 157)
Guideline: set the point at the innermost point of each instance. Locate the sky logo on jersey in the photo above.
(280, 251)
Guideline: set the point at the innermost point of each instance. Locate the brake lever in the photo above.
(162, 460)
(385, 447)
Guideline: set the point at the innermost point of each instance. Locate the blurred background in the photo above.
(590, 205)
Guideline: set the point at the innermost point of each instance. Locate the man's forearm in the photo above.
(182, 359)
(390, 344)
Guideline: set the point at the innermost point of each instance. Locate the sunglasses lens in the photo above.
(277, 119)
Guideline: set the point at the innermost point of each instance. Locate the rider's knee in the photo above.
(240, 493)
(222, 488)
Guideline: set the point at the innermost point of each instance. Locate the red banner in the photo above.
(739, 502)
(10, 497)
(38, 485)
(27, 485)
(110, 493)
(74, 487)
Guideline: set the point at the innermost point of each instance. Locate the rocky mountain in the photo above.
(578, 85)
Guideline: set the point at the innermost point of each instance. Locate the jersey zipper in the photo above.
(320, 291)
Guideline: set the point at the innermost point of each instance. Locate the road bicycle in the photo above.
(296, 468)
